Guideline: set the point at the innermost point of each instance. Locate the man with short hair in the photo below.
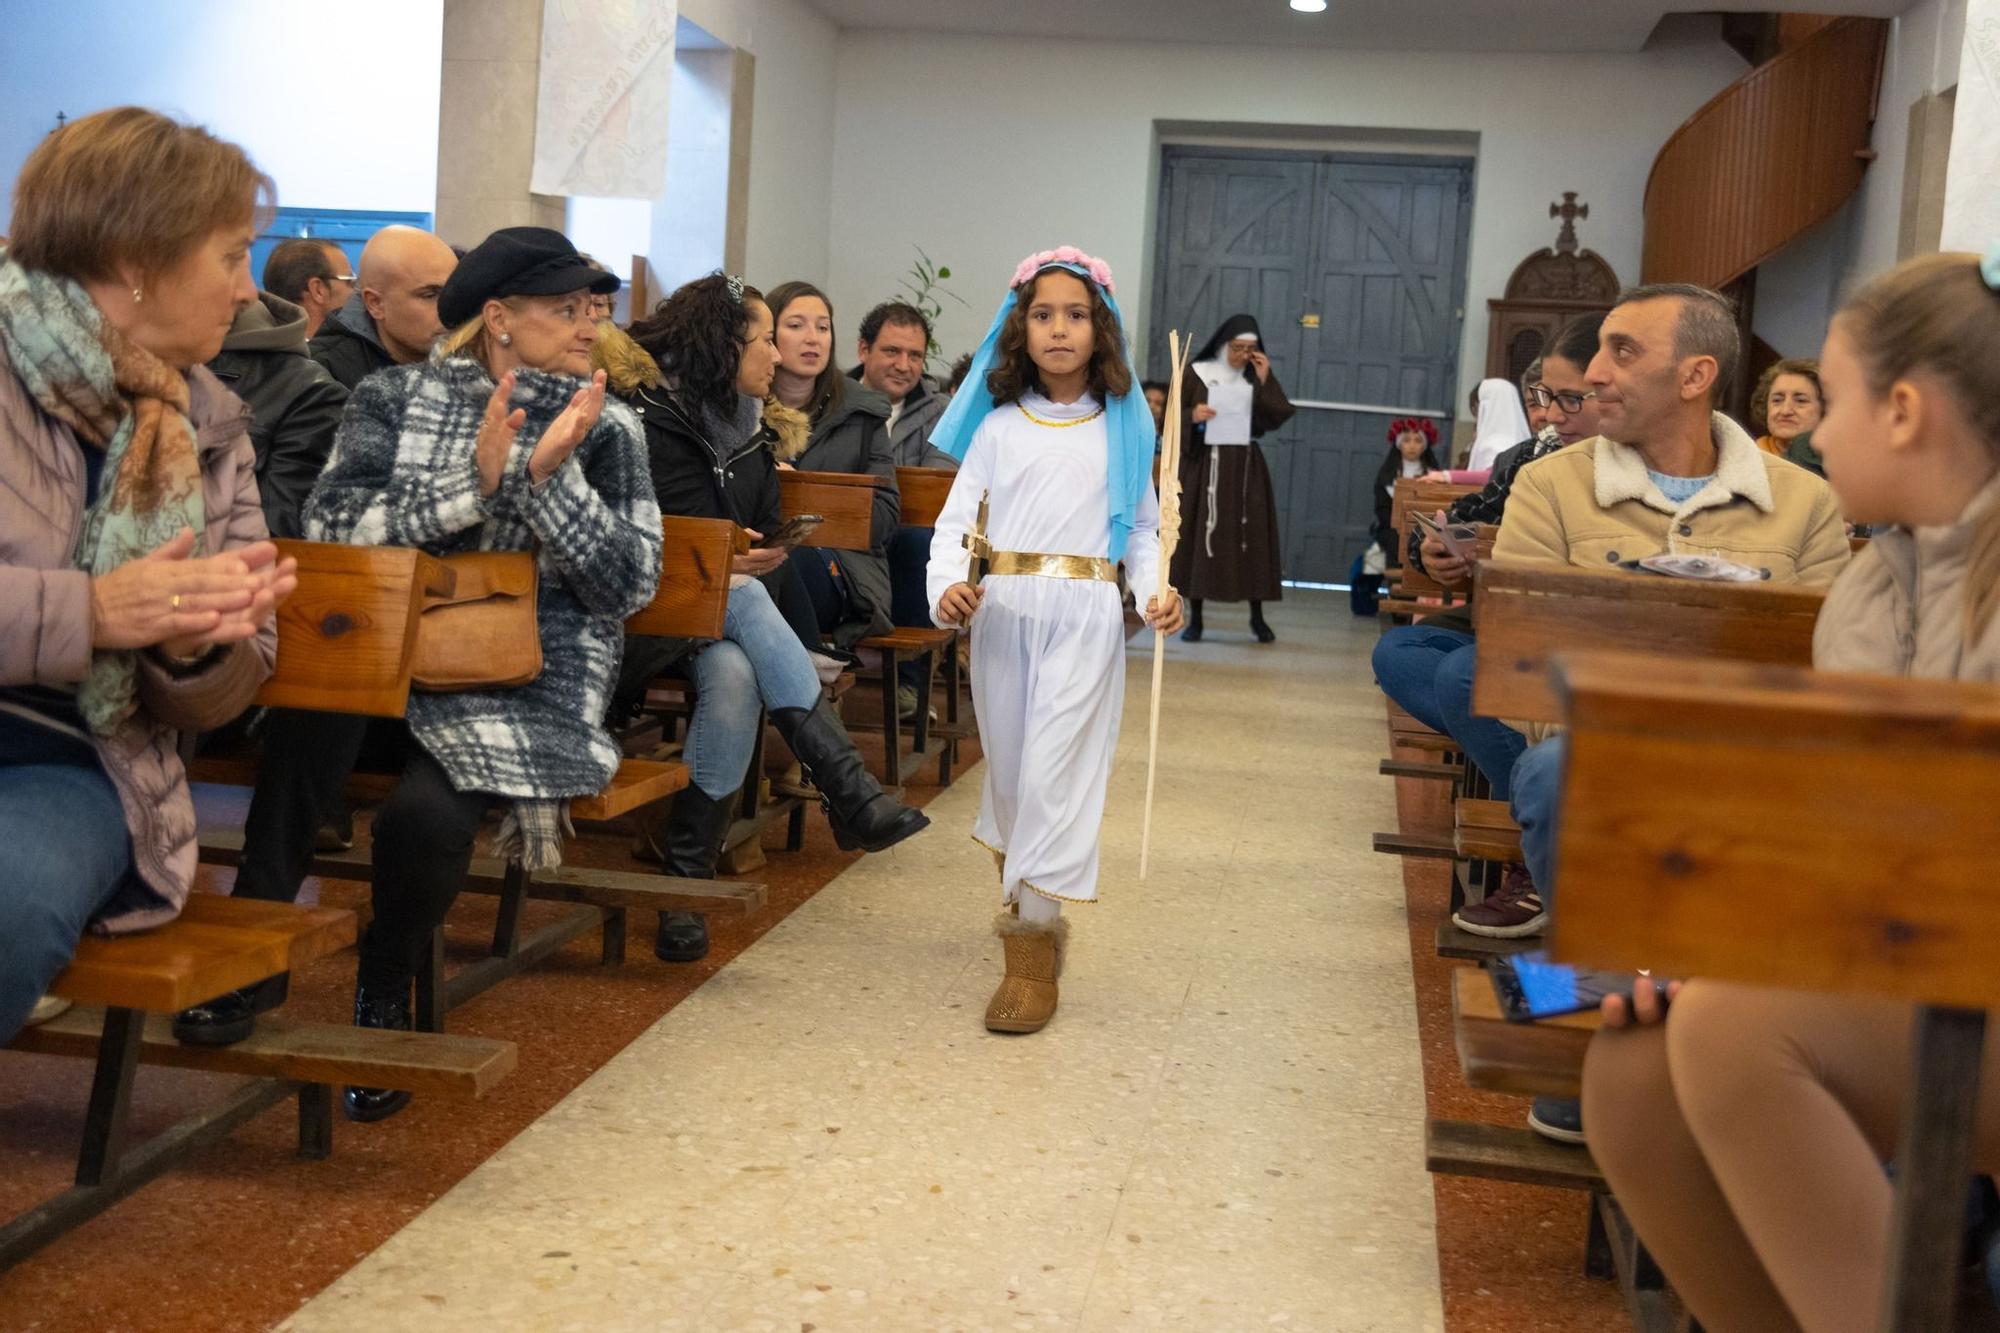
(313, 275)
(392, 318)
(1669, 474)
(895, 343)
(894, 347)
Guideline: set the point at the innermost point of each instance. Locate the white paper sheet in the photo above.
(601, 104)
(1231, 423)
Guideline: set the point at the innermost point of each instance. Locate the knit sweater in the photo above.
(403, 473)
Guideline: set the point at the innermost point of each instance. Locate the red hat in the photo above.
(1425, 425)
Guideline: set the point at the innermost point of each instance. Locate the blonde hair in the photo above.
(130, 186)
(1936, 314)
(469, 338)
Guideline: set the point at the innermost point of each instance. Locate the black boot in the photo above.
(1192, 634)
(688, 843)
(862, 814)
(1258, 627)
(230, 1016)
(383, 1007)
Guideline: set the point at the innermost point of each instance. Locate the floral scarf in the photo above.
(123, 400)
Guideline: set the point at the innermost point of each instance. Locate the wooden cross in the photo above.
(1569, 210)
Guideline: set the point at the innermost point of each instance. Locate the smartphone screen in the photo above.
(1532, 986)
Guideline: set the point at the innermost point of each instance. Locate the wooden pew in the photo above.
(345, 635)
(1411, 592)
(923, 493)
(1702, 790)
(329, 626)
(1525, 617)
(846, 500)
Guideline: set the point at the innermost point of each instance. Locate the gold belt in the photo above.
(1054, 566)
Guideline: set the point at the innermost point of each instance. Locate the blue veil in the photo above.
(1128, 420)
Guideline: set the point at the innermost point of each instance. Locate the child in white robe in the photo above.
(1056, 440)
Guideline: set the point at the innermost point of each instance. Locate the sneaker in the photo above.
(828, 669)
(336, 834)
(1558, 1118)
(906, 702)
(49, 1006)
(1512, 912)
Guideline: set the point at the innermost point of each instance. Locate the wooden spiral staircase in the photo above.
(1766, 159)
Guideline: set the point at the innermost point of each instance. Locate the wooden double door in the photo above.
(1354, 265)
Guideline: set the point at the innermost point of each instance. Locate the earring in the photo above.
(506, 340)
(137, 296)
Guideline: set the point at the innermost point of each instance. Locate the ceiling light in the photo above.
(1309, 6)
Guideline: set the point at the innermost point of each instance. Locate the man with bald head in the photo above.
(392, 319)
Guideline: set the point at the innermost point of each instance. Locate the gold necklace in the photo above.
(1059, 425)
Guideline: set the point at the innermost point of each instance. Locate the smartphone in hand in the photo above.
(1533, 986)
(791, 532)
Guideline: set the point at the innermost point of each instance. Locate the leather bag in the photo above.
(485, 635)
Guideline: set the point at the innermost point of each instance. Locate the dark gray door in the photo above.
(1354, 266)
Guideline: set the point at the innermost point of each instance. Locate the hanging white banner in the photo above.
(601, 101)
(1971, 203)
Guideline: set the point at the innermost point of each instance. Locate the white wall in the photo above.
(1924, 46)
(983, 149)
(338, 104)
(791, 129)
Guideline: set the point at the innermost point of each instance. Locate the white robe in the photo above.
(1048, 655)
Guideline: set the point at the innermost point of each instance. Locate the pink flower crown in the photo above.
(1100, 272)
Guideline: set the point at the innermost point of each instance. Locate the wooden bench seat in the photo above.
(217, 944)
(284, 1048)
(637, 784)
(1421, 769)
(1507, 1152)
(1485, 831)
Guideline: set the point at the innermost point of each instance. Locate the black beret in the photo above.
(518, 261)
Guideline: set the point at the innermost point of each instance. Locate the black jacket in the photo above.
(295, 405)
(348, 346)
(693, 479)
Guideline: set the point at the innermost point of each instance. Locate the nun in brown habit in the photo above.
(1228, 550)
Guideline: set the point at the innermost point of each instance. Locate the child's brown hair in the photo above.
(1937, 314)
(1014, 372)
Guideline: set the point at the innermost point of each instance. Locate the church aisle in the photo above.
(1221, 1129)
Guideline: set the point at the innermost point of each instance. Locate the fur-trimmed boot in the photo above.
(1026, 1000)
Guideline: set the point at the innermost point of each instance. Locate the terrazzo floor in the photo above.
(1222, 1129)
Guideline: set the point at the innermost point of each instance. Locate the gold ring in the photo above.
(174, 602)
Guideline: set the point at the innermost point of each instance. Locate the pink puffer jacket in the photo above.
(45, 624)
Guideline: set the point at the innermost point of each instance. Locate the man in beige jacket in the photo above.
(1669, 474)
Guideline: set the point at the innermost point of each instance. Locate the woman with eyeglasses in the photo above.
(1427, 667)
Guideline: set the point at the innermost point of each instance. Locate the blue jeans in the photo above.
(1429, 672)
(68, 854)
(1537, 798)
(1406, 667)
(909, 590)
(759, 661)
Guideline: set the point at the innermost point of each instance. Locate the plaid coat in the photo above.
(402, 473)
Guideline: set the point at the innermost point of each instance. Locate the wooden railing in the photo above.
(1766, 159)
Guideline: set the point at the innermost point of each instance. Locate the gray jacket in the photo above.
(853, 437)
(910, 432)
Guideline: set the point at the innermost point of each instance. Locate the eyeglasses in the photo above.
(341, 277)
(1569, 402)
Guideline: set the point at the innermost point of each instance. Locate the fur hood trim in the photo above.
(1620, 474)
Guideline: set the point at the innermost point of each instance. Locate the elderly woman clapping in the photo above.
(501, 441)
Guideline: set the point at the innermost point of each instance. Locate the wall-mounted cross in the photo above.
(1569, 210)
(61, 120)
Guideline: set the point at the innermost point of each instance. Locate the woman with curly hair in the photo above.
(704, 367)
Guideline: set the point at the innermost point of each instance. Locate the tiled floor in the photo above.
(1222, 1129)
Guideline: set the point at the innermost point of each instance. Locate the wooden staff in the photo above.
(1170, 535)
